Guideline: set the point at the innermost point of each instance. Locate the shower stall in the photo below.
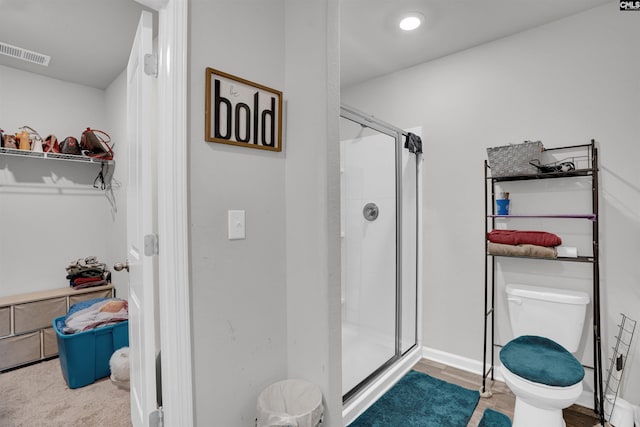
(380, 225)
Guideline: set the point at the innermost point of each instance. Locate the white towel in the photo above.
(567, 251)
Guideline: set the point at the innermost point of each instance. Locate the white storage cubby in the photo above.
(26, 333)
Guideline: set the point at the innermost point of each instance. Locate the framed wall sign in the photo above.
(243, 113)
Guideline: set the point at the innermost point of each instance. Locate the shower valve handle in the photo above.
(370, 211)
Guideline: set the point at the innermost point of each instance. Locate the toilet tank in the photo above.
(557, 314)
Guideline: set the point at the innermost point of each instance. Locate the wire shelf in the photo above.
(591, 217)
(56, 156)
(557, 162)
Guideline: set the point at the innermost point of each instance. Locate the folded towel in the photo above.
(517, 237)
(100, 282)
(522, 250)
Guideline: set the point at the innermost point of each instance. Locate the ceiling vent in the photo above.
(24, 54)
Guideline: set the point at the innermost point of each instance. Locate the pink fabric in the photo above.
(516, 237)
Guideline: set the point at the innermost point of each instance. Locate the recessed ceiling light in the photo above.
(411, 21)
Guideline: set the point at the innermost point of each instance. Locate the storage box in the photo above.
(514, 159)
(84, 356)
(19, 349)
(34, 315)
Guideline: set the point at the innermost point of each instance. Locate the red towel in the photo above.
(83, 280)
(516, 237)
(89, 284)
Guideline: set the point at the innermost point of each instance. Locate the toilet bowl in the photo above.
(538, 365)
(538, 404)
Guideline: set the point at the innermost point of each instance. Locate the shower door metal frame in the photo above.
(396, 133)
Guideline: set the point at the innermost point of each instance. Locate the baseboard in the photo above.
(460, 362)
(475, 367)
(373, 392)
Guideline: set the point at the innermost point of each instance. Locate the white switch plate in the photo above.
(236, 225)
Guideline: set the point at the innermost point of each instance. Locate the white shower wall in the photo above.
(369, 247)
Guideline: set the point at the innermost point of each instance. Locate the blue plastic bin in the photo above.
(84, 356)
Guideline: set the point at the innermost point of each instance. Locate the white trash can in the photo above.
(622, 415)
(295, 403)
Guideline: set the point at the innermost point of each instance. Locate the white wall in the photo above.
(261, 305)
(313, 199)
(563, 83)
(238, 287)
(116, 118)
(50, 213)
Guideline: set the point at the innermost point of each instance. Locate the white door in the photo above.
(141, 226)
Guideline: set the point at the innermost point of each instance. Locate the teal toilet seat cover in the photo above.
(541, 360)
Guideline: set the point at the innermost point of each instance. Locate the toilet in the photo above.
(538, 365)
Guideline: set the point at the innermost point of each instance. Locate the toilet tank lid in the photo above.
(564, 296)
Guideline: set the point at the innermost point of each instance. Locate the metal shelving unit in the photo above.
(589, 169)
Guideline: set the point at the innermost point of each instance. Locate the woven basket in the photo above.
(513, 159)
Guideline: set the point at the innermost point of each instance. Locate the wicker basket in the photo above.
(513, 159)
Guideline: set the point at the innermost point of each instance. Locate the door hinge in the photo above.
(156, 418)
(151, 64)
(151, 244)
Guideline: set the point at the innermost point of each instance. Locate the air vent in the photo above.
(24, 54)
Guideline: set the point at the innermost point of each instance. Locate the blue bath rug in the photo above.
(492, 418)
(419, 400)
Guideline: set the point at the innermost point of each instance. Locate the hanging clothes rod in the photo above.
(373, 122)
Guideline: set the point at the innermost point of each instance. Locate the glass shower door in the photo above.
(369, 253)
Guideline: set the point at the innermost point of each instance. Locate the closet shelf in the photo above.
(56, 156)
(591, 217)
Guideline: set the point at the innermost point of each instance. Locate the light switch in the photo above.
(236, 225)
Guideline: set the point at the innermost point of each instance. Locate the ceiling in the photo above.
(89, 40)
(372, 44)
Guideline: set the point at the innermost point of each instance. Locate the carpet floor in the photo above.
(419, 400)
(38, 396)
